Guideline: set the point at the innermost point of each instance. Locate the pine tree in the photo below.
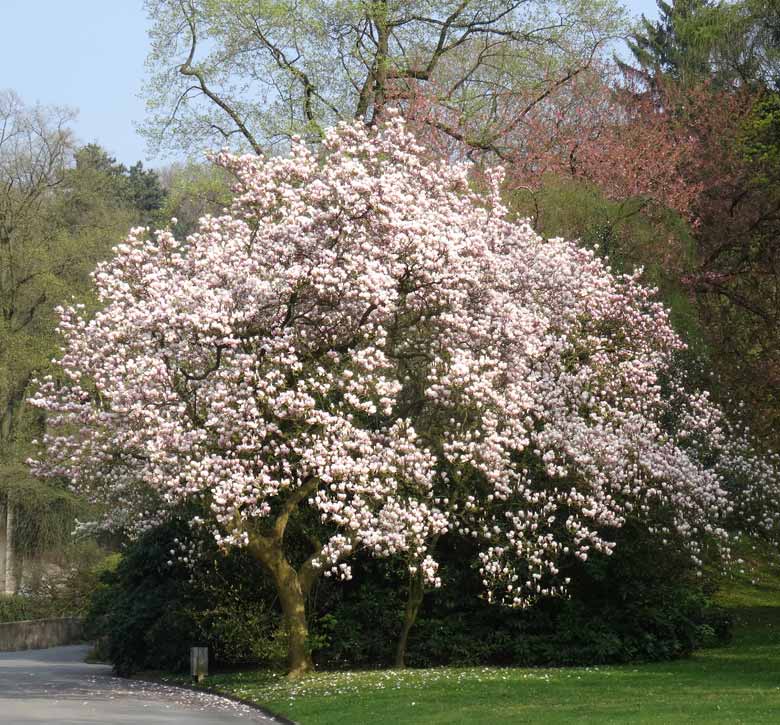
(674, 45)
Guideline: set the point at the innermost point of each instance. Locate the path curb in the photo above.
(281, 719)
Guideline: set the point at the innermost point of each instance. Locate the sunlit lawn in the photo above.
(737, 683)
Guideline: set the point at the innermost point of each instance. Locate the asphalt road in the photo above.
(56, 686)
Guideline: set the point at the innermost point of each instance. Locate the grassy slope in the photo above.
(738, 683)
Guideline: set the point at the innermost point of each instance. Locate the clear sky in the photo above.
(89, 54)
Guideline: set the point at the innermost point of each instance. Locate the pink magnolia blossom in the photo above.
(363, 337)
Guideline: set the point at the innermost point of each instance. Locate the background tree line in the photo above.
(62, 208)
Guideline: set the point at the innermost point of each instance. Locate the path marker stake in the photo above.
(199, 662)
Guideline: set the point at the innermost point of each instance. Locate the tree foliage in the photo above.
(35, 144)
(193, 190)
(237, 71)
(734, 43)
(163, 597)
(132, 188)
(715, 67)
(643, 603)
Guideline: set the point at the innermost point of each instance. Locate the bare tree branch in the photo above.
(188, 69)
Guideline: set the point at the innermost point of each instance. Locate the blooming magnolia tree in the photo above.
(365, 353)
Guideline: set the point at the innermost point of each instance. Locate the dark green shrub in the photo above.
(643, 603)
(149, 612)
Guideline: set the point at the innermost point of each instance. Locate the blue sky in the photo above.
(89, 54)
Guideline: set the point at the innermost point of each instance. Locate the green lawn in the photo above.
(738, 683)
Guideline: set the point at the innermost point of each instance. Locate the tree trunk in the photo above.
(381, 60)
(292, 596)
(10, 412)
(3, 543)
(299, 660)
(413, 602)
(10, 579)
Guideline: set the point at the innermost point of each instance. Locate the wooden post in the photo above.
(199, 662)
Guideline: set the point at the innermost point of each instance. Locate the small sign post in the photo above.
(199, 662)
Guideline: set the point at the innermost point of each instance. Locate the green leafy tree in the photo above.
(62, 208)
(145, 193)
(35, 148)
(133, 188)
(193, 190)
(254, 73)
(701, 40)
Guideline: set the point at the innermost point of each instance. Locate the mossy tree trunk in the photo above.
(3, 542)
(292, 585)
(293, 588)
(8, 564)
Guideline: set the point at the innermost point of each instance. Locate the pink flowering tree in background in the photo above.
(598, 127)
(363, 354)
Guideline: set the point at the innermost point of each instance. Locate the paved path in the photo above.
(56, 686)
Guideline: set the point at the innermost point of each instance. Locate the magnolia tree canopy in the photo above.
(364, 347)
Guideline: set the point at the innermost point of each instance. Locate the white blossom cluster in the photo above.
(363, 337)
